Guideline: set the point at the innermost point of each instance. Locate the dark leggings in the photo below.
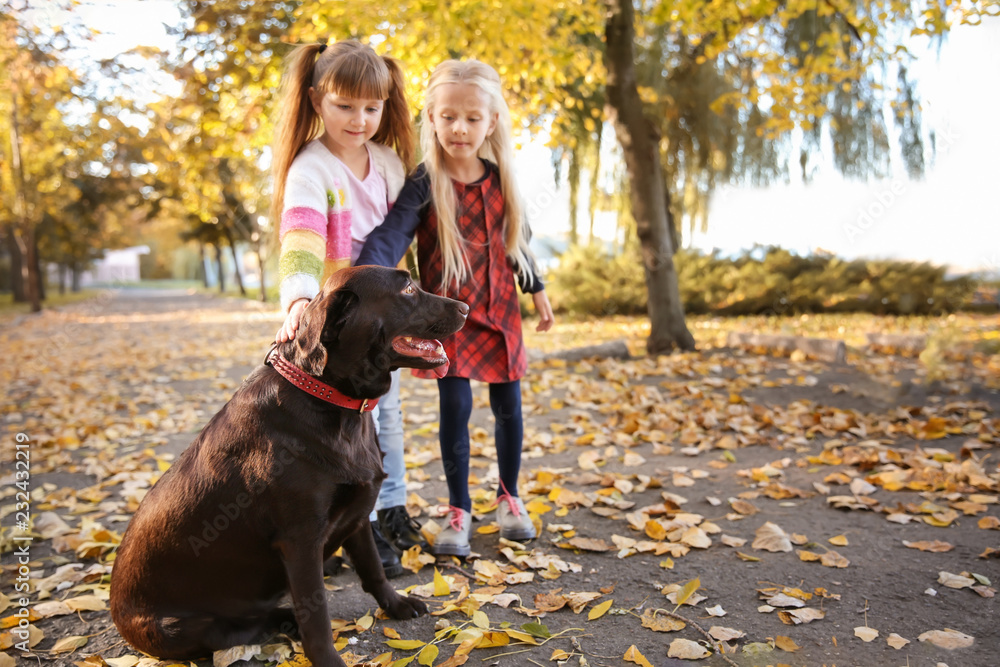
(456, 408)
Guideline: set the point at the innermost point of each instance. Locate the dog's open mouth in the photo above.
(429, 350)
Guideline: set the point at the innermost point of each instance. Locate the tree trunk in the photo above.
(63, 270)
(595, 184)
(574, 192)
(675, 236)
(218, 267)
(260, 265)
(39, 274)
(77, 275)
(202, 267)
(236, 263)
(24, 244)
(640, 146)
(16, 274)
(23, 230)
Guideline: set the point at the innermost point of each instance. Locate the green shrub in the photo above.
(764, 280)
(591, 281)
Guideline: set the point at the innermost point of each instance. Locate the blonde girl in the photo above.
(343, 143)
(464, 208)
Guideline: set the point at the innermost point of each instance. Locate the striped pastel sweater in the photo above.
(315, 230)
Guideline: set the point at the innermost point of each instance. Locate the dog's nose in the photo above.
(463, 308)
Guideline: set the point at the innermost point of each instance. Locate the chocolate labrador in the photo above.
(284, 475)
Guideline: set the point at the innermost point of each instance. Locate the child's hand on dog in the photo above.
(291, 323)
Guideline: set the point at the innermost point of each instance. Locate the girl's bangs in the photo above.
(358, 78)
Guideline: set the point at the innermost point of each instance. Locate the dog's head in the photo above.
(368, 321)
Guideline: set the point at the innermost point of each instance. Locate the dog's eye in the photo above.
(409, 289)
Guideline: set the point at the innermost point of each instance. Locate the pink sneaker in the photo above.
(515, 524)
(454, 539)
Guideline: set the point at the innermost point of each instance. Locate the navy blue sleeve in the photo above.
(388, 242)
(530, 282)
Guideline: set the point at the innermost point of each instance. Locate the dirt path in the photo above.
(654, 473)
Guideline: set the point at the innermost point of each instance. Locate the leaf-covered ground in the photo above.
(711, 508)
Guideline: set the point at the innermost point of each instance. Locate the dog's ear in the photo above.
(342, 305)
(310, 355)
(320, 328)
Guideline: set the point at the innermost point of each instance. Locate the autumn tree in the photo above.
(34, 84)
(650, 198)
(75, 180)
(218, 129)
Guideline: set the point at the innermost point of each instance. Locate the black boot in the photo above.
(387, 553)
(400, 529)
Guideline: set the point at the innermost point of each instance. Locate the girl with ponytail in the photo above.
(343, 144)
(463, 206)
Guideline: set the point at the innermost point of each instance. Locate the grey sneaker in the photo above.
(515, 524)
(454, 539)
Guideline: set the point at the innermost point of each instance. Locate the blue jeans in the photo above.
(389, 426)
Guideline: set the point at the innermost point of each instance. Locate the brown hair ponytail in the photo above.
(297, 120)
(396, 130)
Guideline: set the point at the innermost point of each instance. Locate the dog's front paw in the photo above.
(402, 608)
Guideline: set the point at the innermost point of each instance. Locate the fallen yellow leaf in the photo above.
(771, 537)
(655, 530)
(687, 591)
(989, 523)
(687, 650)
(947, 639)
(657, 622)
(833, 559)
(521, 636)
(68, 644)
(538, 507)
(786, 644)
(634, 656)
(493, 639)
(427, 655)
(441, 586)
(936, 546)
(599, 610)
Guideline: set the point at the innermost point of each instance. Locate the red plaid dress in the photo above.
(490, 347)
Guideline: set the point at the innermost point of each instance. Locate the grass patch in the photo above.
(9, 308)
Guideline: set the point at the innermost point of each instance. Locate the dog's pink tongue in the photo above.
(442, 370)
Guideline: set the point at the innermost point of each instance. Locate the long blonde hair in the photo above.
(346, 68)
(498, 148)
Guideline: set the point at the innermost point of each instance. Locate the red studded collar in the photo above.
(314, 386)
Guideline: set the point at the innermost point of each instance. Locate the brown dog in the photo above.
(277, 481)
